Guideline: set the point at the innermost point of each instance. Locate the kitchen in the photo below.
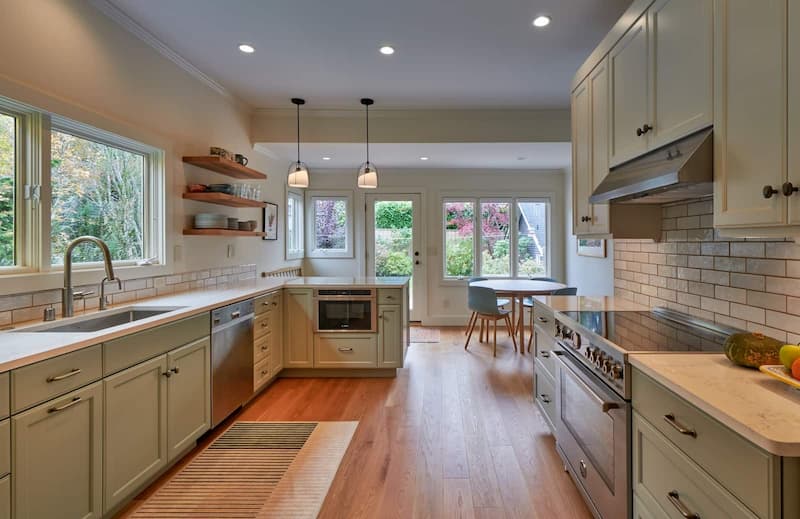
(651, 166)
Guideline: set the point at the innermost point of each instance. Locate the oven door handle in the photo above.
(605, 405)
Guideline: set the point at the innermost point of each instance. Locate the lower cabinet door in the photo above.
(57, 458)
(188, 395)
(390, 336)
(5, 497)
(135, 428)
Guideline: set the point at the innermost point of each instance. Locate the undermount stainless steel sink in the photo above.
(95, 323)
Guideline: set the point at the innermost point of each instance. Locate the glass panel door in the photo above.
(394, 241)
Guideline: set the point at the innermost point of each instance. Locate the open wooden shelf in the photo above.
(222, 232)
(224, 166)
(223, 199)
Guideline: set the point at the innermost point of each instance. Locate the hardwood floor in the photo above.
(456, 434)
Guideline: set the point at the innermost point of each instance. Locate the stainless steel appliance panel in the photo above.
(345, 310)
(593, 435)
(231, 359)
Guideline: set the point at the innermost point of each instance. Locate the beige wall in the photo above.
(67, 58)
(446, 300)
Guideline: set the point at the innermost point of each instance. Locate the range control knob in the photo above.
(605, 366)
(576, 340)
(616, 371)
(598, 360)
(590, 351)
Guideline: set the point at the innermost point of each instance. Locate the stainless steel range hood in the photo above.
(678, 171)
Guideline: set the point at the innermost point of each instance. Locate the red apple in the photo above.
(796, 369)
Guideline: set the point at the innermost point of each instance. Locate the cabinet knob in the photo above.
(768, 191)
(646, 128)
(586, 218)
(789, 189)
(639, 132)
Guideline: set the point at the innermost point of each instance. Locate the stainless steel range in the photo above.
(593, 393)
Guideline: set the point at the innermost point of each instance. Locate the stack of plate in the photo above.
(210, 221)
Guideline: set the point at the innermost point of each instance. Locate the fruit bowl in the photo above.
(780, 372)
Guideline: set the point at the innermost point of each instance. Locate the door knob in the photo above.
(789, 189)
(768, 191)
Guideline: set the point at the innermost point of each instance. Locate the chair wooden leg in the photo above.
(469, 323)
(511, 332)
(494, 348)
(483, 322)
(469, 332)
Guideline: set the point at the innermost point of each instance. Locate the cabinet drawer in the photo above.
(263, 324)
(129, 350)
(390, 296)
(267, 302)
(262, 347)
(546, 347)
(53, 377)
(261, 373)
(660, 470)
(727, 457)
(544, 387)
(543, 317)
(345, 350)
(5, 447)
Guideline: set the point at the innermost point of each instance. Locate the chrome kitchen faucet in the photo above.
(68, 295)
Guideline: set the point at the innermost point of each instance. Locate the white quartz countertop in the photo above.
(19, 348)
(763, 410)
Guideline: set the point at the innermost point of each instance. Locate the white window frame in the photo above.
(153, 245)
(33, 181)
(477, 233)
(311, 249)
(298, 200)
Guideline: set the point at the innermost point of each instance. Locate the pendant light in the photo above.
(298, 171)
(367, 174)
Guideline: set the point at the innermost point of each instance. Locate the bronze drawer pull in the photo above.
(670, 419)
(65, 406)
(541, 319)
(544, 398)
(675, 499)
(70, 373)
(545, 354)
(345, 350)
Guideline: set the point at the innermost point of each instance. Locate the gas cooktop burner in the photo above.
(656, 331)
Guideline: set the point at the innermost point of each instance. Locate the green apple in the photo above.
(788, 354)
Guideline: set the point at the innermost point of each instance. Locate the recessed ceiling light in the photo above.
(326, 158)
(424, 158)
(541, 21)
(246, 48)
(387, 50)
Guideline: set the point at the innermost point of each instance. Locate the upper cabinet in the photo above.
(752, 76)
(661, 78)
(629, 94)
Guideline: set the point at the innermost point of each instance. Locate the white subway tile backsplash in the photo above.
(748, 313)
(715, 277)
(766, 300)
(737, 295)
(783, 250)
(768, 267)
(716, 249)
(715, 305)
(747, 249)
(730, 264)
(749, 281)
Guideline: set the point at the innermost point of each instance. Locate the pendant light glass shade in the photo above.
(298, 175)
(298, 171)
(367, 173)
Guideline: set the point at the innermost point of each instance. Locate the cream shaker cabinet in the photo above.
(630, 90)
(590, 125)
(188, 396)
(276, 355)
(57, 457)
(298, 344)
(390, 336)
(135, 428)
(661, 78)
(750, 117)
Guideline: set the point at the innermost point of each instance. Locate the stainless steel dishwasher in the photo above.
(231, 359)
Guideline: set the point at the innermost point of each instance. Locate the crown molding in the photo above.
(128, 23)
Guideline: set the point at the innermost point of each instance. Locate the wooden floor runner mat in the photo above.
(256, 469)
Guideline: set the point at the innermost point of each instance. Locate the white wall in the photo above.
(67, 58)
(446, 301)
(592, 276)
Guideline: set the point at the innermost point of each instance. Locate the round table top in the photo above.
(520, 286)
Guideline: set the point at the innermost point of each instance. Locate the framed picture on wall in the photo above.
(271, 221)
(592, 248)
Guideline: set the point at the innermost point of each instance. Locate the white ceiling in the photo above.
(450, 53)
(534, 156)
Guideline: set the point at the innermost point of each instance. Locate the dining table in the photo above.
(517, 290)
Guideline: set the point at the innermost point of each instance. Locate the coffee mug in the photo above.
(241, 159)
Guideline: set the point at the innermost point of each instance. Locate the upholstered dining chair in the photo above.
(501, 302)
(483, 302)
